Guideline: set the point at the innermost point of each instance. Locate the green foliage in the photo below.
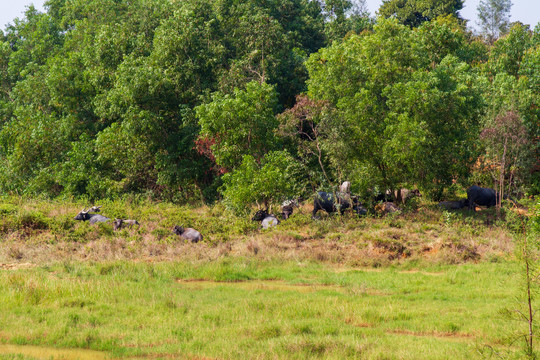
(513, 87)
(408, 119)
(32, 39)
(507, 52)
(103, 98)
(415, 12)
(345, 17)
(240, 124)
(107, 89)
(274, 180)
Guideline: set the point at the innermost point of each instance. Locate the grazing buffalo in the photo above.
(327, 202)
(187, 233)
(85, 215)
(454, 204)
(121, 223)
(480, 196)
(267, 220)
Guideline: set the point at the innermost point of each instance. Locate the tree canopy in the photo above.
(172, 99)
(415, 12)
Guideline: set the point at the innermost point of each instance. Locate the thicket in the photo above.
(183, 100)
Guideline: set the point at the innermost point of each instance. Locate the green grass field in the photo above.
(424, 284)
(242, 308)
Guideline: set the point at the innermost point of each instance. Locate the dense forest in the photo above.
(262, 100)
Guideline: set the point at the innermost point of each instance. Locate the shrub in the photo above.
(271, 181)
(33, 220)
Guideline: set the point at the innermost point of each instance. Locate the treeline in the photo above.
(260, 100)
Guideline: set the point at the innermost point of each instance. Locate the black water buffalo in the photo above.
(122, 223)
(327, 202)
(267, 220)
(387, 196)
(480, 196)
(287, 208)
(85, 215)
(286, 211)
(187, 233)
(454, 204)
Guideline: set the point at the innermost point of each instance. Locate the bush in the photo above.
(272, 181)
(32, 220)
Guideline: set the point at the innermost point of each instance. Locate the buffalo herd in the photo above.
(341, 201)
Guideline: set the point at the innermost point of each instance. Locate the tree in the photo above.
(240, 124)
(271, 181)
(405, 117)
(343, 17)
(494, 18)
(415, 12)
(305, 129)
(507, 52)
(508, 149)
(117, 81)
(510, 126)
(269, 41)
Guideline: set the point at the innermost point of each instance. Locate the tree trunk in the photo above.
(501, 176)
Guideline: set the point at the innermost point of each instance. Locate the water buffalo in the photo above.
(267, 220)
(480, 196)
(287, 208)
(121, 223)
(454, 204)
(403, 195)
(345, 187)
(386, 208)
(327, 202)
(85, 215)
(380, 197)
(187, 233)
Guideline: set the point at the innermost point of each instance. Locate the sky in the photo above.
(526, 11)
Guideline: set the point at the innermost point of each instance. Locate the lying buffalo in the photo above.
(188, 233)
(330, 203)
(85, 215)
(121, 223)
(454, 204)
(267, 220)
(386, 207)
(480, 196)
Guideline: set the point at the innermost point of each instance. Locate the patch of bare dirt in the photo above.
(17, 266)
(436, 334)
(273, 285)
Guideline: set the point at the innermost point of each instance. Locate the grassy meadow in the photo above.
(423, 284)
